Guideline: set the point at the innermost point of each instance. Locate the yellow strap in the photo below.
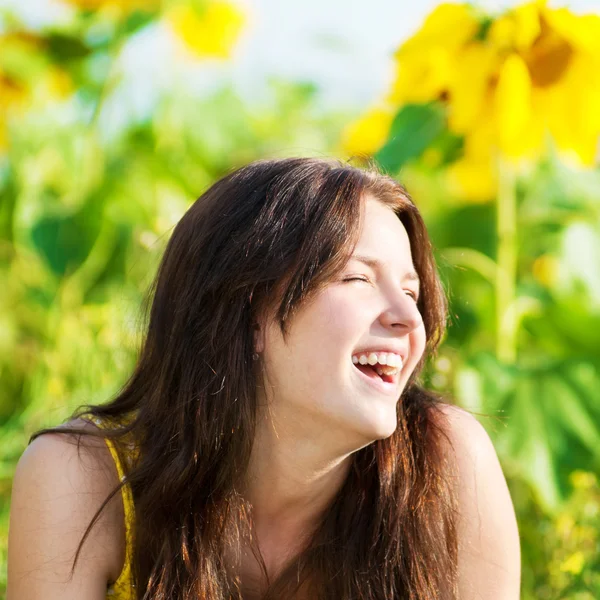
(122, 586)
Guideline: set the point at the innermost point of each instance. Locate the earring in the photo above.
(255, 356)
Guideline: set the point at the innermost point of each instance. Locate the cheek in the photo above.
(320, 338)
(332, 322)
(418, 341)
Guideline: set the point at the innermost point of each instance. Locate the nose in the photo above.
(402, 313)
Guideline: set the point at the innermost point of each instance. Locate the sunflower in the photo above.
(208, 30)
(509, 84)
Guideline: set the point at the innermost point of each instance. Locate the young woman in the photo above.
(273, 441)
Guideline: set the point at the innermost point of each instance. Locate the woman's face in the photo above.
(312, 381)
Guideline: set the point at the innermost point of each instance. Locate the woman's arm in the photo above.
(55, 494)
(489, 560)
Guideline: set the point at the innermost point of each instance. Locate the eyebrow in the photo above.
(376, 264)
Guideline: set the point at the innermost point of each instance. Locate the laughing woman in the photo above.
(274, 441)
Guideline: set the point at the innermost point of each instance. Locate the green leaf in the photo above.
(535, 447)
(66, 240)
(413, 129)
(449, 145)
(63, 47)
(547, 417)
(137, 20)
(575, 416)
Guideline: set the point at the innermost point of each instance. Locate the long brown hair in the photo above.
(269, 235)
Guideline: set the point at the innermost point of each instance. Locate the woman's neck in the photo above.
(291, 480)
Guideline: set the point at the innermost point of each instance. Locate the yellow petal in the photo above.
(477, 64)
(573, 564)
(581, 31)
(513, 106)
(517, 29)
(581, 88)
(473, 178)
(502, 32)
(369, 133)
(213, 33)
(481, 137)
(426, 61)
(422, 77)
(571, 109)
(449, 25)
(545, 269)
(527, 18)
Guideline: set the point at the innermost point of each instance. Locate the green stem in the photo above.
(506, 273)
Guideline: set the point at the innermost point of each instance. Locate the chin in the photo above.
(385, 432)
(379, 429)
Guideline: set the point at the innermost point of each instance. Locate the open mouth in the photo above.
(370, 371)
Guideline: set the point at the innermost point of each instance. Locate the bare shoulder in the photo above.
(467, 436)
(82, 462)
(489, 548)
(57, 488)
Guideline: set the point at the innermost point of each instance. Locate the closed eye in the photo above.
(413, 295)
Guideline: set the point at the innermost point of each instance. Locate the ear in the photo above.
(258, 332)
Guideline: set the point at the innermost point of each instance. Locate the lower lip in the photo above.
(380, 384)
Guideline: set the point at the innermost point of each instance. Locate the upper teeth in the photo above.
(392, 361)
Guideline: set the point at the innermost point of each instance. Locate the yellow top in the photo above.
(122, 588)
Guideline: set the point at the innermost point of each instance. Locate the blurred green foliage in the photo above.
(85, 212)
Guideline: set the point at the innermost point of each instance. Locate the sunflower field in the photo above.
(492, 121)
